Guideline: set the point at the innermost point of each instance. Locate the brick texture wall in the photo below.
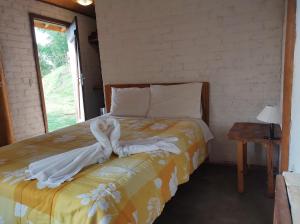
(233, 44)
(18, 61)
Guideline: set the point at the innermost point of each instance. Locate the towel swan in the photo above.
(53, 171)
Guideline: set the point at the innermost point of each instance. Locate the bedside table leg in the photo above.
(240, 166)
(245, 157)
(270, 169)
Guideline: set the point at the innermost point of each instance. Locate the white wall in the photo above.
(18, 59)
(294, 163)
(233, 44)
(282, 59)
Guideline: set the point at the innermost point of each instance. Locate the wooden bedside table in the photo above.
(243, 133)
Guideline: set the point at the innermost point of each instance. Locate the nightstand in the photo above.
(243, 133)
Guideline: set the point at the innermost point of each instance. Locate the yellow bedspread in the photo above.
(122, 190)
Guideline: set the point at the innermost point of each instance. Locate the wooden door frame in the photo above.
(288, 82)
(32, 17)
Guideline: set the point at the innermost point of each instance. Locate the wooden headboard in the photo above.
(204, 95)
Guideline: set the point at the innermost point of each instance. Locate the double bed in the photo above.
(132, 189)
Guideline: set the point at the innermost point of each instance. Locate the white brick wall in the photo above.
(233, 44)
(18, 60)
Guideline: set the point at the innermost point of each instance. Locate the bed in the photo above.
(132, 189)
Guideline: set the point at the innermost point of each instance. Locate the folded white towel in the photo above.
(127, 148)
(53, 171)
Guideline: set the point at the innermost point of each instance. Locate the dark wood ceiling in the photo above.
(73, 6)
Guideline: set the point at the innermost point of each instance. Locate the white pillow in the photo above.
(174, 101)
(130, 102)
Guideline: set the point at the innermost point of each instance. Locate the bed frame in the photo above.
(204, 95)
(282, 211)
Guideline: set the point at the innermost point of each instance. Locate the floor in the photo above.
(210, 197)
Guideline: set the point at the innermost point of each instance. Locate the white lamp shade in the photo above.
(270, 114)
(84, 2)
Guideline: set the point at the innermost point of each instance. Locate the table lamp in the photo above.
(270, 114)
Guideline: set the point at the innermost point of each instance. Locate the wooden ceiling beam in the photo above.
(72, 5)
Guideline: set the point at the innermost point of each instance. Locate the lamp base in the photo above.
(271, 133)
(271, 138)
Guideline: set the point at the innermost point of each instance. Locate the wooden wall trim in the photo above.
(288, 82)
(6, 130)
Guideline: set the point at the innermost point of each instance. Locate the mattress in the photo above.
(133, 189)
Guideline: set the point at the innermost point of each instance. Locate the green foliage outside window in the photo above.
(56, 78)
(54, 53)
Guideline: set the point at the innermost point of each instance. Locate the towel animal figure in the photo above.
(53, 171)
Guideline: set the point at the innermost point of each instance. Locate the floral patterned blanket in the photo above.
(133, 189)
